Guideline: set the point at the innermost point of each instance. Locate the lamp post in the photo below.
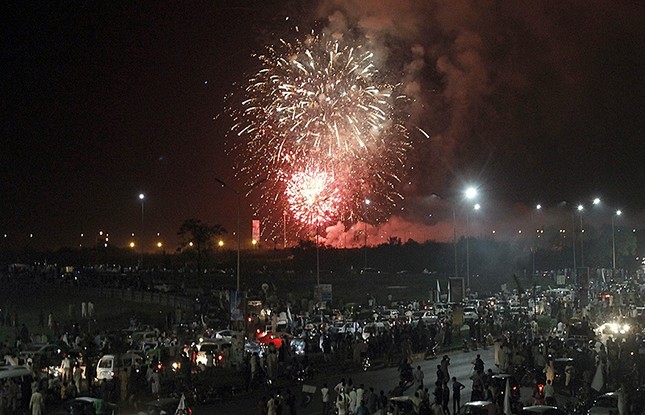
(538, 207)
(367, 203)
(477, 206)
(470, 193)
(142, 197)
(613, 240)
(237, 229)
(237, 232)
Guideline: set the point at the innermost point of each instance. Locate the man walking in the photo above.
(418, 378)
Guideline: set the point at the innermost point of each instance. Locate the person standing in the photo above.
(549, 393)
(418, 377)
(445, 362)
(456, 394)
(154, 383)
(342, 404)
(271, 404)
(324, 391)
(66, 369)
(445, 399)
(37, 403)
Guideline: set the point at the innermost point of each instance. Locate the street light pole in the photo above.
(367, 203)
(142, 198)
(237, 231)
(454, 237)
(613, 240)
(573, 245)
(538, 207)
(470, 194)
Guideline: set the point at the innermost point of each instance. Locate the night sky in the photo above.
(533, 101)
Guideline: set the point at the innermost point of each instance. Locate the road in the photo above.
(382, 379)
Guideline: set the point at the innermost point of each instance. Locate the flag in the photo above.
(598, 379)
(182, 409)
(507, 398)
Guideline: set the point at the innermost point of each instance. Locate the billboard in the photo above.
(255, 223)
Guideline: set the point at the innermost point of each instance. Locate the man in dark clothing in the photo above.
(456, 394)
(445, 402)
(479, 365)
(439, 374)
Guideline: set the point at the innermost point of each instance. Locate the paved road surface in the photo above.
(382, 379)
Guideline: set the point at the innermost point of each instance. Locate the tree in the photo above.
(199, 237)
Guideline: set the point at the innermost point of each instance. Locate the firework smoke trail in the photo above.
(318, 106)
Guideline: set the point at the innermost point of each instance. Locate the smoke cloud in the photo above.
(495, 85)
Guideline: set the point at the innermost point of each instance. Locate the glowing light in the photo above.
(132, 245)
(471, 193)
(220, 243)
(313, 196)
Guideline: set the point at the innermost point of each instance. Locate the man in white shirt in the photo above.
(324, 391)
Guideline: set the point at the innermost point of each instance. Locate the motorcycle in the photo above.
(365, 363)
(431, 351)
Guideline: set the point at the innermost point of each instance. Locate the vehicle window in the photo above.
(105, 364)
(208, 348)
(606, 402)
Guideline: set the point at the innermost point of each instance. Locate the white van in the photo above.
(17, 373)
(110, 365)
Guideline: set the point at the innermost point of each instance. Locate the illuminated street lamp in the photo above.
(613, 239)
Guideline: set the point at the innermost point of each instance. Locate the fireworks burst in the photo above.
(318, 110)
(313, 196)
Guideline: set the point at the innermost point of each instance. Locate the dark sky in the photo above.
(104, 100)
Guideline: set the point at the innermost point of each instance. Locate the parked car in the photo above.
(85, 406)
(478, 408)
(542, 410)
(165, 406)
(470, 314)
(427, 317)
(605, 404)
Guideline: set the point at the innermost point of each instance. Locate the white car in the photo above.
(470, 314)
(427, 317)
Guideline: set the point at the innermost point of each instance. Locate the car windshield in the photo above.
(606, 402)
(208, 348)
(105, 364)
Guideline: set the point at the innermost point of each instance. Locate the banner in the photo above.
(323, 292)
(237, 300)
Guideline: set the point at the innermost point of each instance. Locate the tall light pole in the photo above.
(237, 230)
(470, 193)
(454, 237)
(367, 203)
(582, 231)
(538, 207)
(477, 206)
(142, 197)
(613, 240)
